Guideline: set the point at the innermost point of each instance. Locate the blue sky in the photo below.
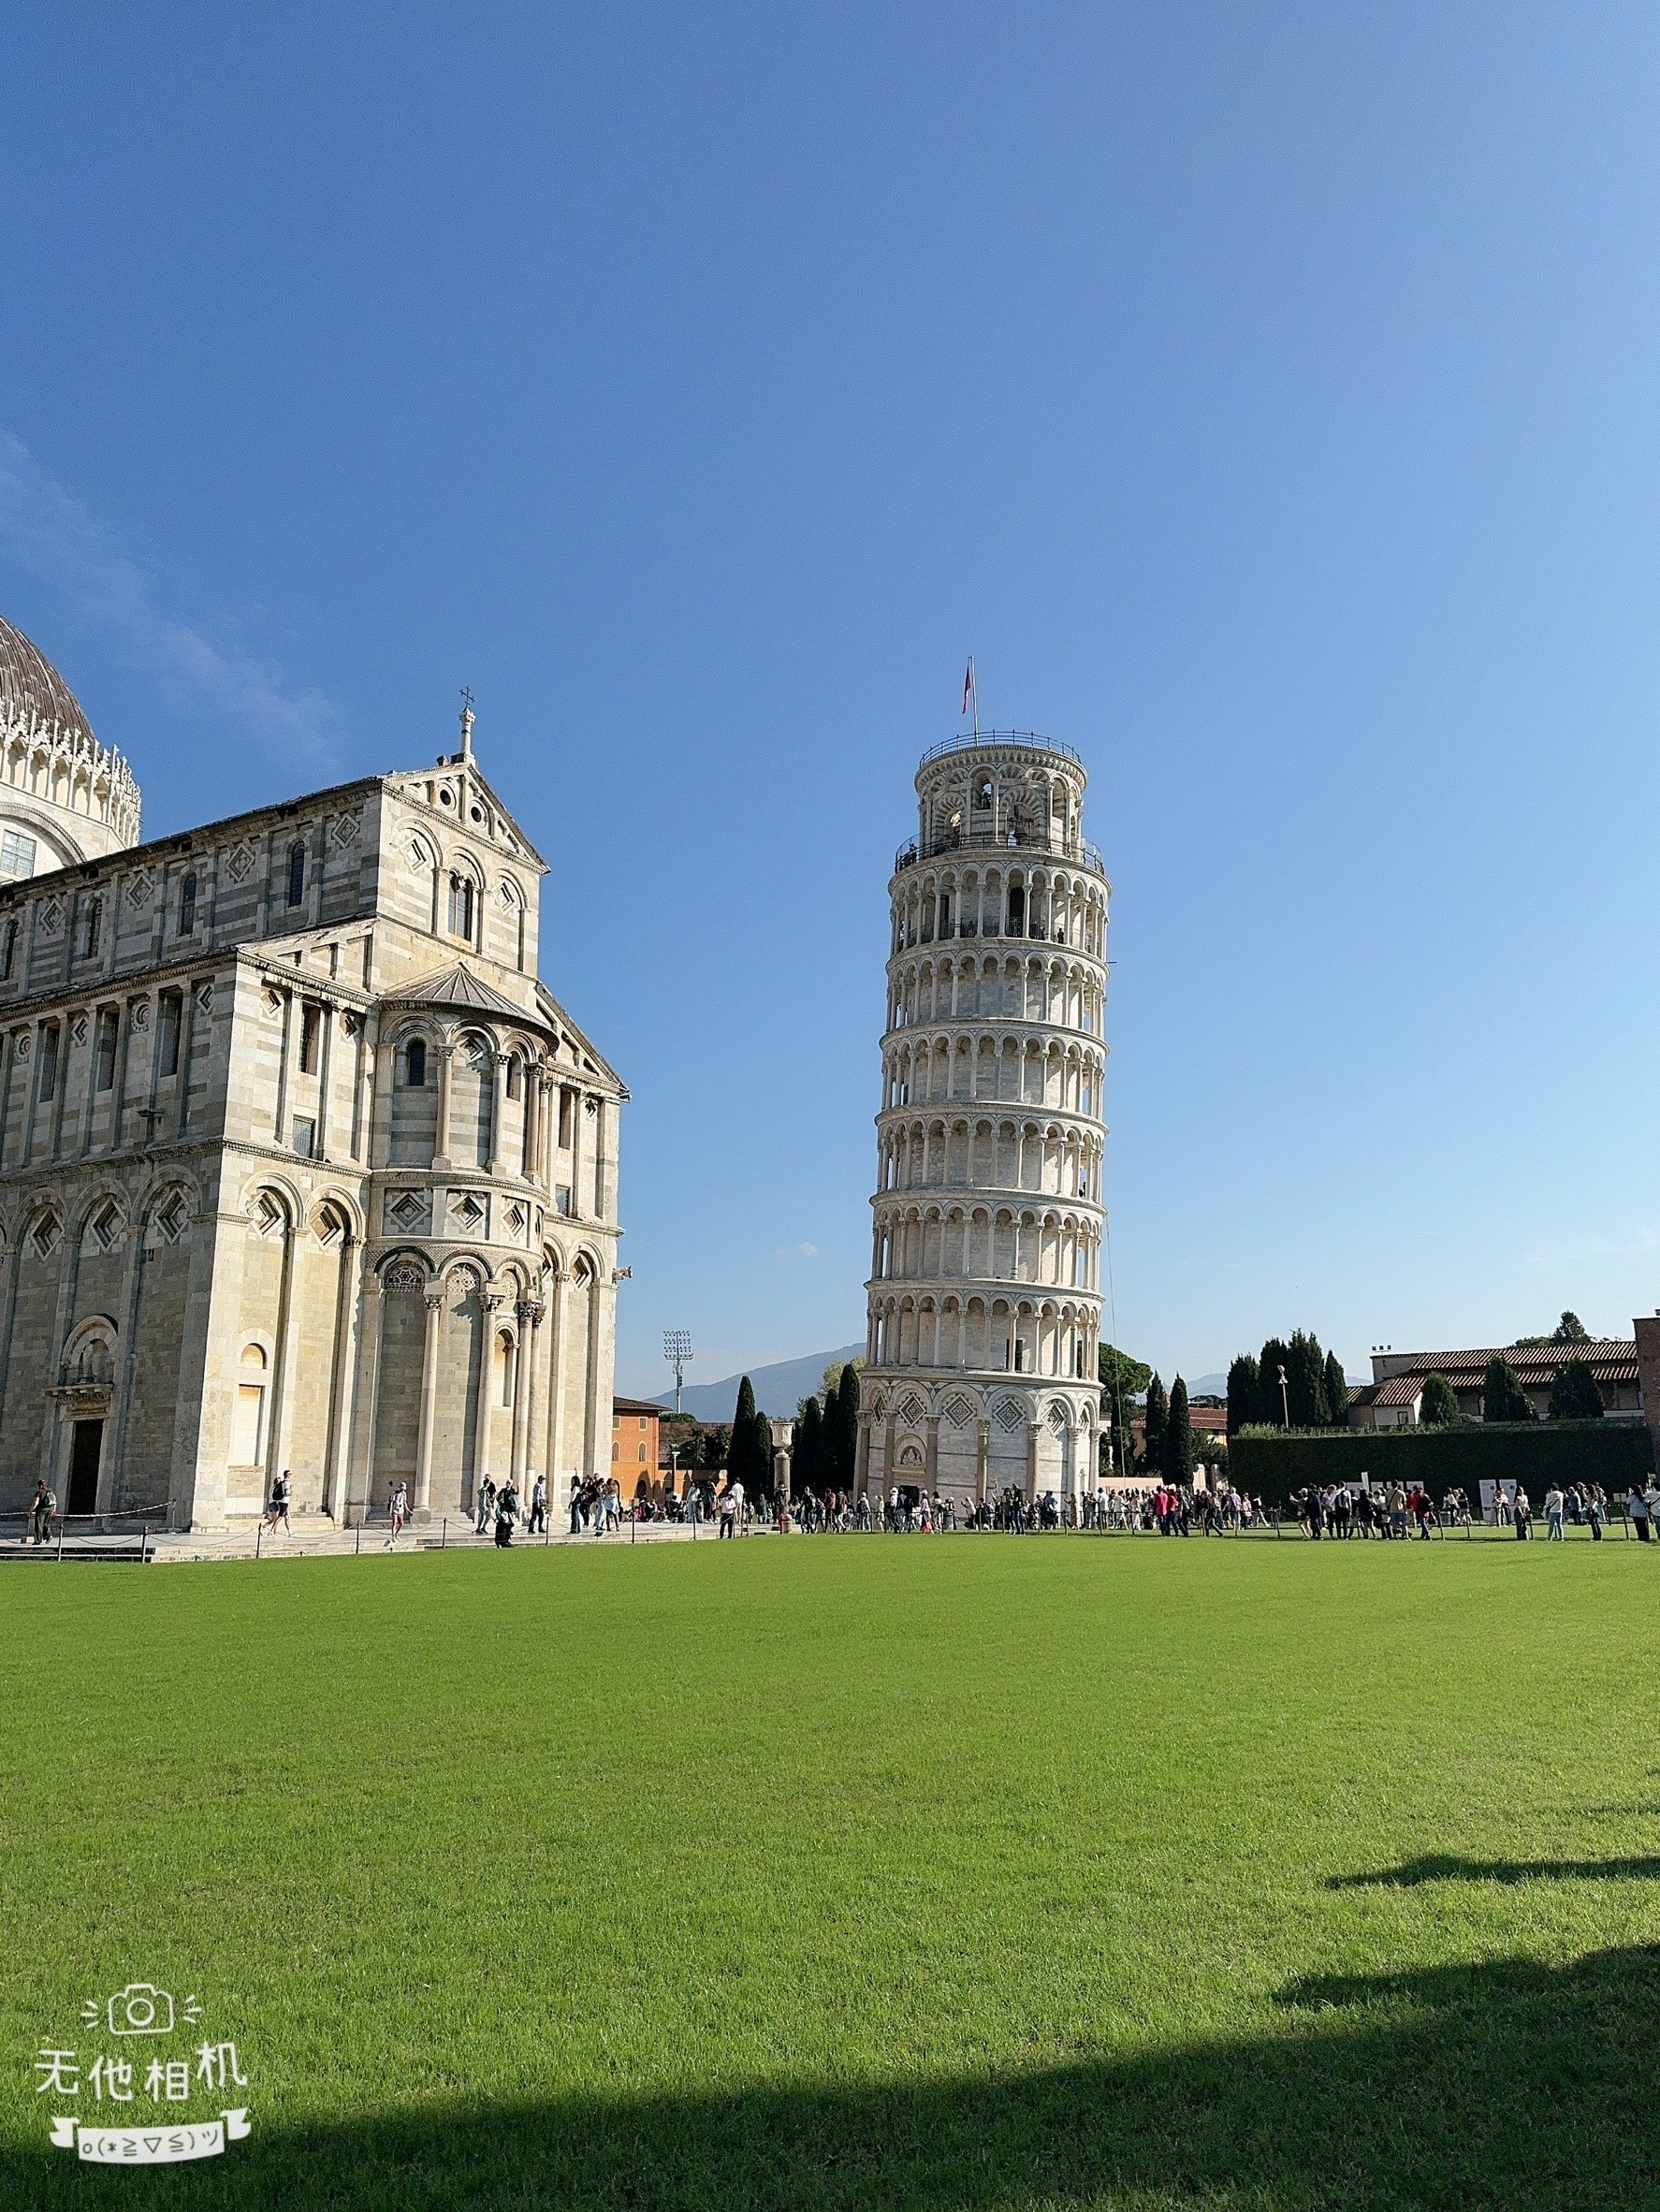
(1265, 395)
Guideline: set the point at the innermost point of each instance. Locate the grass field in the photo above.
(960, 1874)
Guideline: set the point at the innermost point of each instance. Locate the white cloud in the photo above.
(47, 530)
(808, 1251)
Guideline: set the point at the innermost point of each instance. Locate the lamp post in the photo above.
(1284, 1403)
(783, 1436)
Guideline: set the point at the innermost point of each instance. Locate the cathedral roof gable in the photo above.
(409, 785)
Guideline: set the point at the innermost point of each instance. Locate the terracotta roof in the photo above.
(1610, 1360)
(459, 986)
(636, 1405)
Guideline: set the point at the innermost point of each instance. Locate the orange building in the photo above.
(633, 1443)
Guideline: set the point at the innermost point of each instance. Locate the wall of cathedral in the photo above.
(259, 1209)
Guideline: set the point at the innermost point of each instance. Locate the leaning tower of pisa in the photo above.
(984, 1293)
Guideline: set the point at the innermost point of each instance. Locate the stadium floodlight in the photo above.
(676, 1350)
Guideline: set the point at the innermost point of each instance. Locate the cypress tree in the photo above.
(1176, 1457)
(761, 1457)
(1305, 1382)
(745, 1464)
(1153, 1427)
(1574, 1394)
(1276, 1354)
(1244, 1393)
(846, 1454)
(806, 1470)
(1438, 1406)
(1336, 1391)
(1502, 1398)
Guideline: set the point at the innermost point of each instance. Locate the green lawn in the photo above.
(961, 1872)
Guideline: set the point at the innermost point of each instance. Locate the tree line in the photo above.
(1288, 1385)
(1167, 1429)
(827, 1443)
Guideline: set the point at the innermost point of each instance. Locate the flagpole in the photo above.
(974, 696)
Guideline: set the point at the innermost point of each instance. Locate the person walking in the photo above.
(537, 1524)
(1523, 1511)
(399, 1503)
(45, 1506)
(1554, 1501)
(1593, 1510)
(486, 1505)
(1637, 1508)
(730, 1499)
(277, 1512)
(507, 1513)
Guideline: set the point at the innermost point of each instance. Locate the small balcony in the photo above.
(1021, 845)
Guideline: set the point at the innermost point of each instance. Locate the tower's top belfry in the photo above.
(1000, 788)
(984, 1293)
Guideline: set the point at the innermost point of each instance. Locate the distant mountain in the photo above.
(779, 1390)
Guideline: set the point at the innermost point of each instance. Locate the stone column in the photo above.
(590, 1417)
(521, 1360)
(983, 1460)
(531, 1138)
(423, 1494)
(529, 1314)
(498, 1110)
(335, 1474)
(441, 1154)
(358, 1472)
(862, 1461)
(556, 1380)
(484, 1412)
(287, 1359)
(931, 1464)
(578, 1114)
(1031, 1458)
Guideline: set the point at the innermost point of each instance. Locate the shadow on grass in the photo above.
(1505, 2084)
(1440, 1868)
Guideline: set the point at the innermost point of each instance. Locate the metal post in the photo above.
(60, 1539)
(143, 1546)
(357, 1547)
(443, 1534)
(259, 1538)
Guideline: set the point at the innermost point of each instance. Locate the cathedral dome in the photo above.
(63, 797)
(32, 693)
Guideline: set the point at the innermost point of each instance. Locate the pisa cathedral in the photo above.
(300, 1166)
(984, 1296)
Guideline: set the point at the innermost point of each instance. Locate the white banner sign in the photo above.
(149, 2146)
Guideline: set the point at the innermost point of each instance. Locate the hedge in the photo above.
(1275, 1464)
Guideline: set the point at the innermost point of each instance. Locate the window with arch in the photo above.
(247, 1444)
(514, 1076)
(297, 872)
(187, 906)
(463, 906)
(415, 1064)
